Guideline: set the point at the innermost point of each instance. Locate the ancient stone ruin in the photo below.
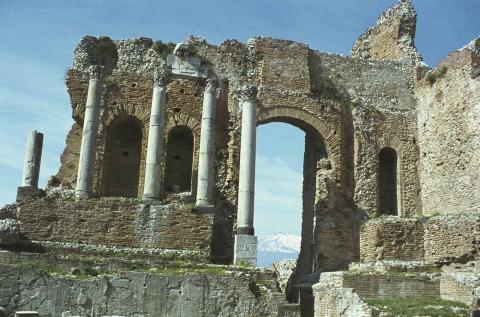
(151, 212)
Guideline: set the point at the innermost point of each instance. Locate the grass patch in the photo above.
(432, 76)
(477, 44)
(414, 306)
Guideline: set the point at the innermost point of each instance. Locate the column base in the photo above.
(245, 249)
(80, 194)
(250, 231)
(204, 208)
(26, 192)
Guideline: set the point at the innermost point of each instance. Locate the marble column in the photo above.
(246, 188)
(245, 245)
(86, 164)
(152, 186)
(206, 158)
(33, 157)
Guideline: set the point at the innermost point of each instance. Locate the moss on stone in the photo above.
(416, 306)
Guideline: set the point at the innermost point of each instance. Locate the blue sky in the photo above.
(38, 39)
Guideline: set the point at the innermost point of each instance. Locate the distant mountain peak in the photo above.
(280, 242)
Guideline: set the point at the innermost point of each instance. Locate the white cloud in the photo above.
(278, 197)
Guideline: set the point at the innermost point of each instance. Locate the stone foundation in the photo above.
(115, 222)
(167, 293)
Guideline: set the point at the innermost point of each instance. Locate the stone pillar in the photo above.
(86, 164)
(152, 186)
(206, 158)
(245, 248)
(33, 157)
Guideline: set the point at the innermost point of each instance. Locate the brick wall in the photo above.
(452, 237)
(115, 221)
(449, 134)
(392, 238)
(384, 286)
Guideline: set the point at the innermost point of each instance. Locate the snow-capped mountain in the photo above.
(279, 246)
(280, 243)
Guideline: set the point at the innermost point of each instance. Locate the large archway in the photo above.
(314, 152)
(122, 158)
(178, 168)
(278, 191)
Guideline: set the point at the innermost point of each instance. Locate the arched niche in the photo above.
(178, 168)
(387, 182)
(123, 148)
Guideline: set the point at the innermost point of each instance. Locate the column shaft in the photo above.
(33, 157)
(152, 186)
(247, 166)
(207, 148)
(86, 163)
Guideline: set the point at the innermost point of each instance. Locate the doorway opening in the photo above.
(122, 158)
(178, 168)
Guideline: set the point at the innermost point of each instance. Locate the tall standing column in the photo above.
(33, 157)
(152, 186)
(86, 164)
(207, 147)
(245, 248)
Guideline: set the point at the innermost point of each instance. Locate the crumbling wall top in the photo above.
(392, 38)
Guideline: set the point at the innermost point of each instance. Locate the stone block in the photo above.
(245, 249)
(188, 66)
(26, 192)
(27, 314)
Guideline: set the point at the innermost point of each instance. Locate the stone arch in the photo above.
(122, 157)
(175, 119)
(111, 115)
(142, 114)
(390, 141)
(387, 183)
(179, 159)
(315, 158)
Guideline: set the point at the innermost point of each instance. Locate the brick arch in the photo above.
(185, 120)
(108, 117)
(142, 114)
(306, 121)
(179, 119)
(389, 141)
(303, 118)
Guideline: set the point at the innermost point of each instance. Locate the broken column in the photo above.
(33, 157)
(245, 247)
(31, 167)
(207, 148)
(152, 186)
(86, 164)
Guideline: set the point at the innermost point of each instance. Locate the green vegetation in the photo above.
(432, 76)
(163, 49)
(415, 306)
(91, 266)
(477, 44)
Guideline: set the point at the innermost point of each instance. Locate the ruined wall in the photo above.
(138, 293)
(387, 286)
(115, 222)
(392, 38)
(452, 238)
(449, 134)
(352, 106)
(440, 239)
(392, 238)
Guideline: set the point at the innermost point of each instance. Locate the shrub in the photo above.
(163, 49)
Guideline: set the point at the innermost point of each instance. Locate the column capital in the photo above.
(212, 85)
(248, 93)
(96, 72)
(160, 78)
